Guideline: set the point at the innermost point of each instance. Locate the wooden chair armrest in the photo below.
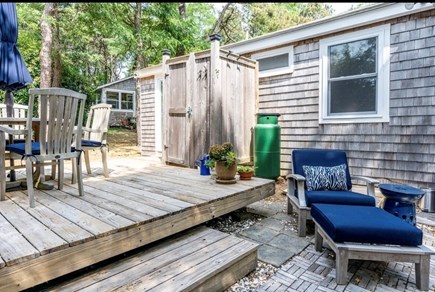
(93, 130)
(295, 177)
(12, 131)
(292, 180)
(370, 182)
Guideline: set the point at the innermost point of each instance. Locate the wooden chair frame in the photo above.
(18, 111)
(60, 115)
(420, 255)
(96, 129)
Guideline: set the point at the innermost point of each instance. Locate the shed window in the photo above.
(120, 100)
(126, 101)
(112, 98)
(355, 77)
(275, 62)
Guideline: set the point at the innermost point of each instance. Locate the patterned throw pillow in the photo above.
(325, 178)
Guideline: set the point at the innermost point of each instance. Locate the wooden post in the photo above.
(165, 57)
(191, 113)
(216, 91)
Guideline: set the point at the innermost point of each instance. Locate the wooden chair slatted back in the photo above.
(98, 119)
(19, 111)
(60, 112)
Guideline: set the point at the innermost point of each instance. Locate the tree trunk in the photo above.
(218, 22)
(182, 9)
(47, 42)
(57, 65)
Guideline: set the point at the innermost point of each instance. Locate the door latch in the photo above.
(189, 111)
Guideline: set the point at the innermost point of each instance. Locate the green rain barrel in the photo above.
(267, 135)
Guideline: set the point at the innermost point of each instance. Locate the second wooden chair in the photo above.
(95, 135)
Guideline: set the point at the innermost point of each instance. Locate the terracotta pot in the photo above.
(224, 173)
(246, 175)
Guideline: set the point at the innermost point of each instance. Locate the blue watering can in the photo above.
(203, 169)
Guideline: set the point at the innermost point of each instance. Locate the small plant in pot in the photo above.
(223, 159)
(245, 172)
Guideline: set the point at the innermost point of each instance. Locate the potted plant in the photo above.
(223, 159)
(245, 172)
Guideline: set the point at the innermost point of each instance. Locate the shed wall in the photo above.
(117, 116)
(402, 150)
(147, 115)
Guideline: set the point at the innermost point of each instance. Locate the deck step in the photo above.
(199, 259)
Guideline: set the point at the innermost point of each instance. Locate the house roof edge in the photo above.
(114, 82)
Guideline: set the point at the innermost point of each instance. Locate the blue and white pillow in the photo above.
(325, 178)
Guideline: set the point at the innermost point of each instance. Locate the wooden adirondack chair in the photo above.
(60, 117)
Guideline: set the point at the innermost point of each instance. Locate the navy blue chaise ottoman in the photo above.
(370, 233)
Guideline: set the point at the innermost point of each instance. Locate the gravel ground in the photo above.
(239, 220)
(234, 223)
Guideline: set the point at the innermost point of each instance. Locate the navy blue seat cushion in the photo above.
(91, 143)
(338, 198)
(363, 224)
(20, 148)
(318, 157)
(16, 141)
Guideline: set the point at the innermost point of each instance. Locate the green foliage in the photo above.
(244, 168)
(221, 152)
(262, 18)
(99, 42)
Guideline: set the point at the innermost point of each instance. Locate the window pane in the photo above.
(112, 98)
(353, 58)
(126, 101)
(351, 96)
(274, 62)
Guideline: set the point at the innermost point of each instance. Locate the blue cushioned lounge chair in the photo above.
(323, 176)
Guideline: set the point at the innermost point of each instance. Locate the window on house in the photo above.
(355, 77)
(120, 100)
(275, 62)
(112, 98)
(126, 101)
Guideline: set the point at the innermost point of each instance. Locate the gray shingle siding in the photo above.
(402, 150)
(147, 116)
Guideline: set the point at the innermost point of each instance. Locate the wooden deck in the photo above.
(139, 204)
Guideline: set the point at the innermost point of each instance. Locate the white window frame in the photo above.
(276, 52)
(118, 109)
(383, 81)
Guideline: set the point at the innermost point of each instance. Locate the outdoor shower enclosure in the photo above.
(209, 97)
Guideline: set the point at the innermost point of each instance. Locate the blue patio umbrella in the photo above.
(14, 74)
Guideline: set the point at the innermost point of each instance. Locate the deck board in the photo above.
(102, 274)
(96, 211)
(200, 258)
(42, 238)
(114, 203)
(137, 205)
(66, 229)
